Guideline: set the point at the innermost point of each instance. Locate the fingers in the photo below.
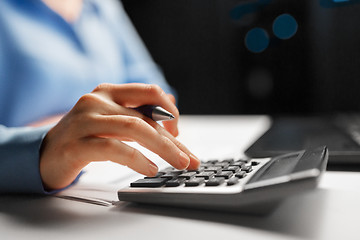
(194, 161)
(135, 95)
(102, 149)
(127, 124)
(140, 131)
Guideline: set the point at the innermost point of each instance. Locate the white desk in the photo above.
(330, 212)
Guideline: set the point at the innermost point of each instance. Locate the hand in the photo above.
(46, 121)
(95, 128)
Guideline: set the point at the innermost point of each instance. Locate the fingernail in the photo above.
(184, 160)
(153, 169)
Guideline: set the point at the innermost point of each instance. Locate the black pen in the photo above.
(156, 113)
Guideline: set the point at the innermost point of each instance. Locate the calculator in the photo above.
(250, 186)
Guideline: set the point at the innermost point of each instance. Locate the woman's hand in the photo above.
(95, 128)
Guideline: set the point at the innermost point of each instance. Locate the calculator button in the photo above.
(213, 161)
(205, 175)
(224, 174)
(149, 182)
(229, 160)
(238, 164)
(243, 160)
(212, 169)
(187, 175)
(214, 181)
(240, 174)
(234, 169)
(222, 164)
(232, 181)
(170, 175)
(194, 182)
(247, 168)
(175, 182)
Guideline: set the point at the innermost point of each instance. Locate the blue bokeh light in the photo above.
(285, 26)
(337, 3)
(257, 40)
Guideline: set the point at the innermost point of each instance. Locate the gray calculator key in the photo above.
(247, 168)
(212, 169)
(175, 182)
(194, 182)
(205, 175)
(222, 164)
(229, 160)
(232, 181)
(149, 182)
(187, 175)
(170, 175)
(240, 174)
(214, 181)
(224, 174)
(233, 169)
(238, 163)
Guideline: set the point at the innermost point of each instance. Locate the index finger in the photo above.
(138, 94)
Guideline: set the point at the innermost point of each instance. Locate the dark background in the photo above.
(200, 47)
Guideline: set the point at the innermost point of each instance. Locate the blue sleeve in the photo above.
(19, 160)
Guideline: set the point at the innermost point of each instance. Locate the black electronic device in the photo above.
(252, 186)
(340, 133)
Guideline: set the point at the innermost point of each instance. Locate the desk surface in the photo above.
(330, 212)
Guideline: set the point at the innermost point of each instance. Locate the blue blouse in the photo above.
(46, 64)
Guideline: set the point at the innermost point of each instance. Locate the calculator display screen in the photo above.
(277, 168)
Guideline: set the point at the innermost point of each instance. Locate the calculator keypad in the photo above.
(210, 173)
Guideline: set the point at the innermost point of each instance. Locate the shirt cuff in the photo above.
(19, 160)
